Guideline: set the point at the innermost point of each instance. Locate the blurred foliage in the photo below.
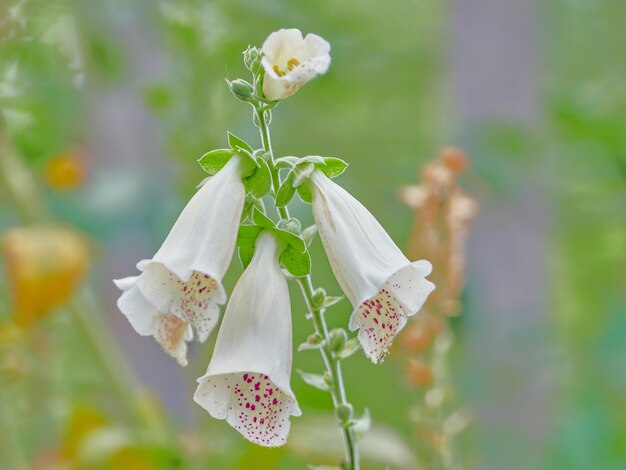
(65, 63)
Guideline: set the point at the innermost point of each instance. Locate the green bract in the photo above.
(300, 170)
(257, 176)
(295, 257)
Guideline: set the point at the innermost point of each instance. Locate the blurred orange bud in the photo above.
(454, 159)
(419, 373)
(417, 338)
(44, 267)
(65, 171)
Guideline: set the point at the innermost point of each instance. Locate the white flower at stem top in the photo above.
(180, 288)
(247, 381)
(290, 61)
(383, 286)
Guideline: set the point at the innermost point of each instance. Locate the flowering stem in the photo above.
(331, 361)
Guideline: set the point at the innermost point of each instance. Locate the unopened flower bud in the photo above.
(344, 413)
(338, 338)
(252, 59)
(241, 89)
(318, 297)
(314, 338)
(291, 225)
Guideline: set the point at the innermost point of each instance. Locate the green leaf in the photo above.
(301, 173)
(314, 341)
(305, 193)
(238, 144)
(333, 167)
(329, 301)
(245, 255)
(296, 262)
(286, 191)
(362, 424)
(316, 159)
(246, 241)
(349, 348)
(260, 182)
(286, 162)
(295, 257)
(214, 161)
(308, 234)
(315, 380)
(261, 219)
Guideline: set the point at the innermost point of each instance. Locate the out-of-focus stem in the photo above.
(10, 452)
(21, 188)
(331, 362)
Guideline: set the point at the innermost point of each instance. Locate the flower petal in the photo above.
(251, 403)
(281, 45)
(170, 331)
(253, 353)
(381, 317)
(196, 300)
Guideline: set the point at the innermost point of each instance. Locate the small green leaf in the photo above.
(333, 167)
(286, 191)
(261, 219)
(305, 193)
(314, 341)
(362, 424)
(245, 255)
(286, 162)
(301, 173)
(316, 159)
(214, 161)
(329, 301)
(349, 348)
(315, 380)
(247, 235)
(238, 144)
(308, 234)
(260, 182)
(296, 262)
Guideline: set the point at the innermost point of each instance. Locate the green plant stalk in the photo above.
(332, 363)
(22, 190)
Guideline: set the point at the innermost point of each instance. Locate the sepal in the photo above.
(318, 381)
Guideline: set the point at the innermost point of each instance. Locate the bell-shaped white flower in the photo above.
(383, 286)
(184, 278)
(170, 331)
(290, 61)
(247, 381)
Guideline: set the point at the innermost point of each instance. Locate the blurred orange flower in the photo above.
(44, 267)
(66, 170)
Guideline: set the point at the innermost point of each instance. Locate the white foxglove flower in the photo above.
(290, 61)
(247, 381)
(383, 286)
(170, 331)
(184, 278)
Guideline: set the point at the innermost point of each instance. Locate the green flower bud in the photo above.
(291, 225)
(241, 89)
(338, 338)
(344, 413)
(252, 59)
(318, 297)
(314, 338)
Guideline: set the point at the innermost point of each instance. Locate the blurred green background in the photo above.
(108, 105)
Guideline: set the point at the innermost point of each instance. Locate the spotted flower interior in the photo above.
(381, 317)
(195, 301)
(251, 404)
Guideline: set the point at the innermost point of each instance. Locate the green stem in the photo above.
(332, 363)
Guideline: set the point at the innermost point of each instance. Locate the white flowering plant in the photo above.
(176, 297)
